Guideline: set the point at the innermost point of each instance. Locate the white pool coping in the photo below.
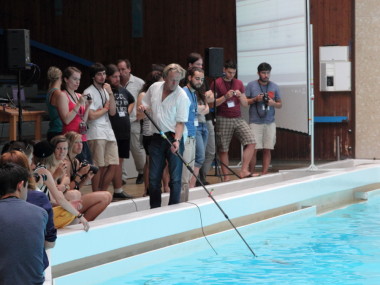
(122, 232)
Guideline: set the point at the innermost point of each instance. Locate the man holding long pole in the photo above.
(170, 110)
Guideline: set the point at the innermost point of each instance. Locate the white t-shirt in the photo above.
(134, 86)
(99, 128)
(166, 114)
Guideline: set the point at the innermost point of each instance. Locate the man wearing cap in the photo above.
(22, 238)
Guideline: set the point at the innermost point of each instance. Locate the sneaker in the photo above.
(122, 195)
(140, 179)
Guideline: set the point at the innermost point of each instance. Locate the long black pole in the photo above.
(199, 181)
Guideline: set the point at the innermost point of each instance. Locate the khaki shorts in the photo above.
(104, 152)
(265, 135)
(227, 127)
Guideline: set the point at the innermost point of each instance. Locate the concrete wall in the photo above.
(367, 41)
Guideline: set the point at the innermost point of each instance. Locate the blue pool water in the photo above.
(341, 247)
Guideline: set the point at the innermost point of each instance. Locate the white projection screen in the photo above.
(275, 31)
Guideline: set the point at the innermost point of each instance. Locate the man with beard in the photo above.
(230, 95)
(100, 136)
(169, 105)
(195, 78)
(264, 97)
(121, 125)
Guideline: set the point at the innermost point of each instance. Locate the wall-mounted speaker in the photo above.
(18, 46)
(214, 58)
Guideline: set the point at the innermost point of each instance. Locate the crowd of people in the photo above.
(173, 123)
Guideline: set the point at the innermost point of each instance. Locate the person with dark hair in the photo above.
(147, 127)
(230, 95)
(121, 126)
(73, 108)
(194, 59)
(263, 96)
(101, 137)
(195, 78)
(170, 110)
(22, 238)
(133, 84)
(34, 197)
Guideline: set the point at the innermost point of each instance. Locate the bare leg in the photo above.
(97, 178)
(107, 177)
(223, 156)
(117, 180)
(252, 163)
(193, 180)
(266, 160)
(249, 149)
(95, 203)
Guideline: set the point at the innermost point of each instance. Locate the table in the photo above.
(10, 115)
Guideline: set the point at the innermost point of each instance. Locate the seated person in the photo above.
(42, 159)
(90, 204)
(34, 197)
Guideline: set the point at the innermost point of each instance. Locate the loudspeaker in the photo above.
(214, 57)
(18, 46)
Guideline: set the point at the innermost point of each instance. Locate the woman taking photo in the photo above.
(73, 108)
(43, 157)
(90, 204)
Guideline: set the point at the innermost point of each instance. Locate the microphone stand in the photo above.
(199, 181)
(19, 105)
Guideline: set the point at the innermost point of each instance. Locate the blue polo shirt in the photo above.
(191, 128)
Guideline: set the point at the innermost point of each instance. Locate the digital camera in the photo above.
(266, 98)
(93, 168)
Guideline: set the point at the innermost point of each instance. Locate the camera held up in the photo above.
(94, 169)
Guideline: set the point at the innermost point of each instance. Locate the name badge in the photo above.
(196, 123)
(121, 114)
(230, 104)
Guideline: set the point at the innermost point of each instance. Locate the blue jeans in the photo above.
(159, 152)
(200, 144)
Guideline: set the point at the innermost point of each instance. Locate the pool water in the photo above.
(340, 247)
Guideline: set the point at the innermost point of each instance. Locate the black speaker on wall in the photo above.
(18, 46)
(214, 58)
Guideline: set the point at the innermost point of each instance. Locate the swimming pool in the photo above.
(341, 247)
(148, 229)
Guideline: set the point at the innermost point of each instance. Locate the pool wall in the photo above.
(245, 201)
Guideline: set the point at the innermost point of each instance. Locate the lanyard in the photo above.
(101, 96)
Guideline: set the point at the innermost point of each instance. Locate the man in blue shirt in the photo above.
(195, 78)
(22, 227)
(263, 96)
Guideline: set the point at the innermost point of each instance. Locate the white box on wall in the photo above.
(335, 69)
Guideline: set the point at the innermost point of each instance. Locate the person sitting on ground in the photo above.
(90, 204)
(22, 229)
(42, 159)
(34, 197)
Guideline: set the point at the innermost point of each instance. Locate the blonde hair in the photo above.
(54, 73)
(174, 67)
